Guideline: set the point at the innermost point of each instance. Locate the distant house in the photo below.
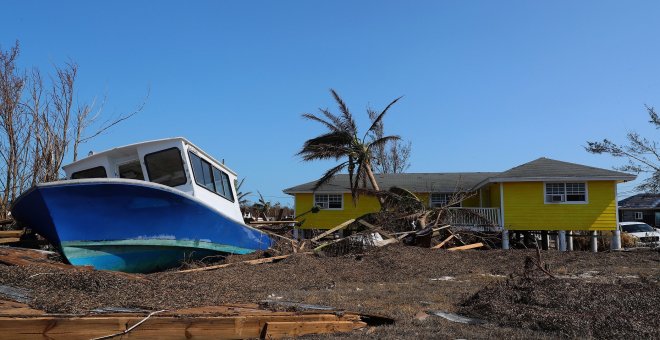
(544, 194)
(641, 208)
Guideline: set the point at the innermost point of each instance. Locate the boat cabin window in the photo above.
(210, 177)
(131, 170)
(165, 167)
(97, 172)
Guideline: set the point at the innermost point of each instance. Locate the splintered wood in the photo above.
(468, 246)
(18, 321)
(23, 257)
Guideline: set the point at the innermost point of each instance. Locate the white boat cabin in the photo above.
(174, 162)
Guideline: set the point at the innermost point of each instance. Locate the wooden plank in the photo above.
(468, 246)
(175, 327)
(257, 261)
(11, 233)
(376, 229)
(341, 226)
(272, 222)
(6, 221)
(278, 330)
(5, 240)
(443, 242)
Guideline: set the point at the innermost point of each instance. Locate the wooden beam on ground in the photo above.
(376, 229)
(329, 243)
(11, 233)
(9, 240)
(272, 222)
(468, 246)
(241, 325)
(277, 330)
(257, 261)
(443, 242)
(6, 221)
(341, 226)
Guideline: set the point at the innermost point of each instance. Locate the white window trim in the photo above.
(586, 193)
(641, 215)
(460, 204)
(330, 193)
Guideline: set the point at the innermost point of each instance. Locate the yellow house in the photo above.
(543, 194)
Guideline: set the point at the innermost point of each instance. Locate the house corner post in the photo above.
(616, 240)
(562, 240)
(505, 239)
(593, 242)
(545, 241)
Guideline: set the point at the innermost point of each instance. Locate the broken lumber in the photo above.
(328, 232)
(272, 222)
(9, 240)
(11, 233)
(468, 246)
(222, 322)
(443, 242)
(257, 261)
(376, 229)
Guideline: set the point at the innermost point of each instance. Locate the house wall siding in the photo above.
(525, 208)
(326, 219)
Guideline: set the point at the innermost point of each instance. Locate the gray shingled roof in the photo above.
(546, 168)
(415, 182)
(641, 201)
(541, 169)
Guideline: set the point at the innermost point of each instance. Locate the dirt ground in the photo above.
(602, 295)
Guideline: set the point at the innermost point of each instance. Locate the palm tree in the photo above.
(342, 141)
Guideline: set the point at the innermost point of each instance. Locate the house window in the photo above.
(329, 201)
(639, 215)
(442, 200)
(166, 167)
(565, 192)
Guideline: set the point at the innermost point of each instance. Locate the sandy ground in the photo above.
(603, 295)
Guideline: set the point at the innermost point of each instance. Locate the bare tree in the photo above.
(40, 121)
(642, 154)
(391, 157)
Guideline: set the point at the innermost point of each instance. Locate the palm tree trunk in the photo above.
(374, 183)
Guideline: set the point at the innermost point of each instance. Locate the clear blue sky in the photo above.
(488, 85)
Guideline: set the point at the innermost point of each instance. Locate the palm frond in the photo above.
(380, 116)
(382, 141)
(327, 124)
(337, 121)
(343, 108)
(329, 175)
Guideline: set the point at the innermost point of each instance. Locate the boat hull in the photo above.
(131, 226)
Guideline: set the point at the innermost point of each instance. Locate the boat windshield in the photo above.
(166, 167)
(96, 172)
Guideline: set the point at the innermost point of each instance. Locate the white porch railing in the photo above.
(478, 217)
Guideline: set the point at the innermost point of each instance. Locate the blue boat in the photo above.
(141, 208)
